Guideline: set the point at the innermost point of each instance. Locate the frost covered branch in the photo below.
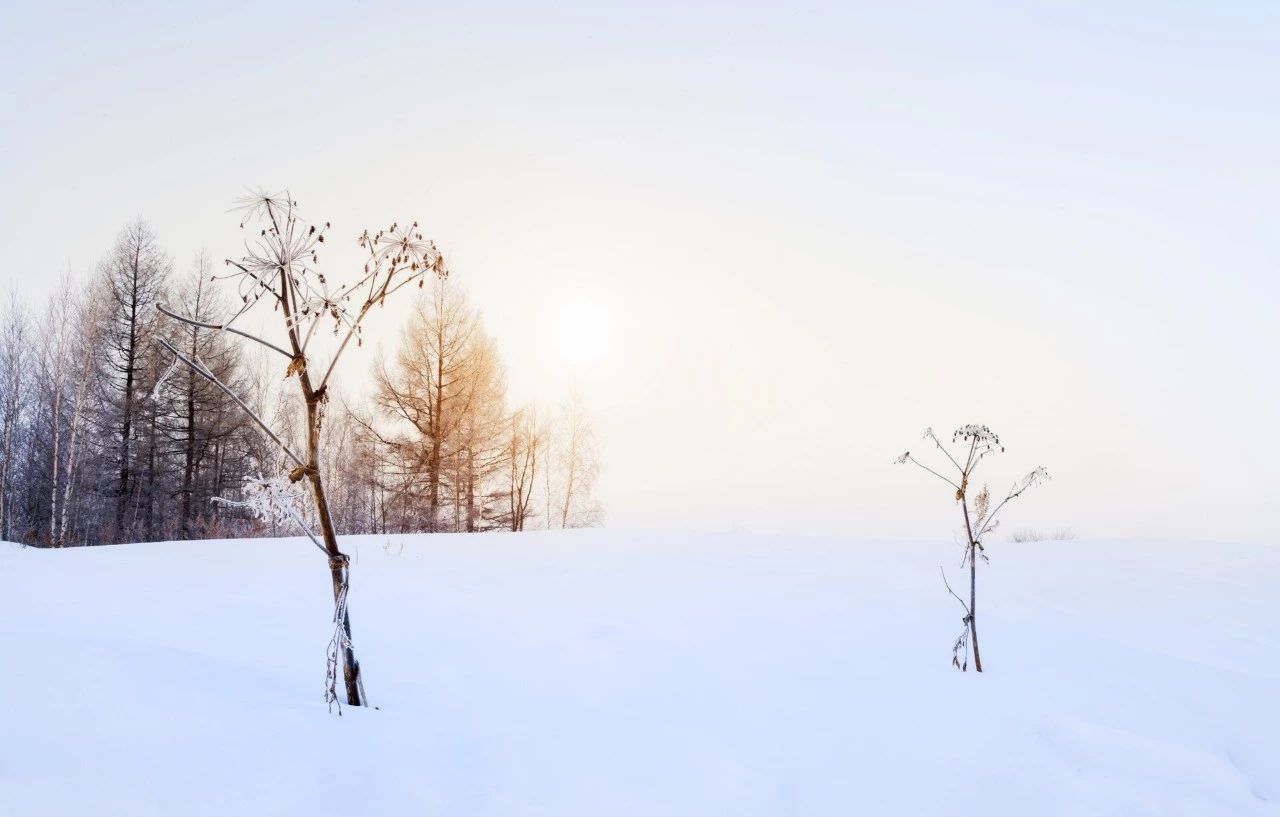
(220, 328)
(273, 500)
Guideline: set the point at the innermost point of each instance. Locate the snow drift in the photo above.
(600, 673)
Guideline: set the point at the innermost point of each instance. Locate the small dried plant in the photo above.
(980, 518)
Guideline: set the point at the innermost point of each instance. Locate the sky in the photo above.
(816, 230)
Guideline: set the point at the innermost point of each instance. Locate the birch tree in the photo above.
(60, 354)
(88, 332)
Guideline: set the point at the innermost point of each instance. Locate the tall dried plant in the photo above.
(980, 518)
(281, 267)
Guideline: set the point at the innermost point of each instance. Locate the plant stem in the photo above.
(973, 585)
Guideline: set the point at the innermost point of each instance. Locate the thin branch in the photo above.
(952, 592)
(324, 381)
(204, 372)
(931, 471)
(929, 433)
(220, 328)
(991, 517)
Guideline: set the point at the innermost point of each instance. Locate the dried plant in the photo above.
(980, 519)
(281, 267)
(1027, 535)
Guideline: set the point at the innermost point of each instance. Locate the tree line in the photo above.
(104, 439)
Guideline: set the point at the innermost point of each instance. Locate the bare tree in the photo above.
(198, 420)
(575, 459)
(281, 268)
(979, 520)
(86, 322)
(134, 271)
(14, 359)
(64, 366)
(525, 456)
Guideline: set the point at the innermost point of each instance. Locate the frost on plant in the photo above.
(275, 501)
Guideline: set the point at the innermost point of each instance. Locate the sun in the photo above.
(582, 332)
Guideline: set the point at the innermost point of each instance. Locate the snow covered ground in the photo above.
(612, 674)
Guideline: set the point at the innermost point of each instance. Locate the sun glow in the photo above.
(582, 332)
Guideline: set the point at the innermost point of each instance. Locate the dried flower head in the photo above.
(976, 434)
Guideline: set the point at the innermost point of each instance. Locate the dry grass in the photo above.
(1029, 535)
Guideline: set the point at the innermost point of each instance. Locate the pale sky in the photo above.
(816, 230)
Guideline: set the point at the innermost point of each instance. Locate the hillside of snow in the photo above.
(607, 674)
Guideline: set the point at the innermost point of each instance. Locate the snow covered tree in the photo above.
(281, 268)
(979, 518)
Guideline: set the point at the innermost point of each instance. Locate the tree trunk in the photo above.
(149, 523)
(4, 477)
(57, 433)
(131, 356)
(433, 484)
(471, 492)
(77, 413)
(189, 452)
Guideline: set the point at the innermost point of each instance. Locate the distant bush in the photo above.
(1029, 535)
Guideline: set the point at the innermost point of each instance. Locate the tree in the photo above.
(445, 399)
(281, 268)
(526, 454)
(427, 390)
(480, 445)
(66, 364)
(199, 421)
(978, 521)
(14, 360)
(86, 323)
(575, 460)
(134, 272)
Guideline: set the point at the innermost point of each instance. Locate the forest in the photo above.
(105, 438)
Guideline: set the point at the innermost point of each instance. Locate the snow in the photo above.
(619, 673)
